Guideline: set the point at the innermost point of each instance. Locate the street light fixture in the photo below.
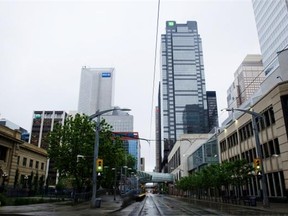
(258, 150)
(98, 113)
(25, 181)
(4, 176)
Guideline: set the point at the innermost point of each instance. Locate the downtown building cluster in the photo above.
(96, 94)
(188, 136)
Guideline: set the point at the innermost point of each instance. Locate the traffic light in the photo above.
(99, 165)
(257, 165)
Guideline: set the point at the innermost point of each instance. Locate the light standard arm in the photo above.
(96, 149)
(258, 150)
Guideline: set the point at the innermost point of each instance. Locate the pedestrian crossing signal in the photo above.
(99, 165)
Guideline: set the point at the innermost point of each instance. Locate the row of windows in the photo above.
(175, 160)
(246, 131)
(270, 148)
(223, 145)
(275, 184)
(35, 165)
(232, 140)
(249, 155)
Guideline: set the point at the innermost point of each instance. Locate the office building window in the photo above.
(37, 165)
(24, 163)
(31, 163)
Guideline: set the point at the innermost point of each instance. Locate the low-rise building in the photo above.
(237, 141)
(181, 159)
(19, 159)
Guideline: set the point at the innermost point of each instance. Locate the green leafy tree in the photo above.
(215, 176)
(36, 182)
(76, 137)
(67, 142)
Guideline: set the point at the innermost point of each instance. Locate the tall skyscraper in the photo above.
(183, 94)
(96, 90)
(212, 110)
(271, 18)
(247, 80)
(157, 140)
(183, 90)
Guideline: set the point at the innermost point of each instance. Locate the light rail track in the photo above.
(161, 205)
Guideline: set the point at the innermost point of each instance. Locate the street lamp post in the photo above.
(96, 149)
(258, 150)
(115, 176)
(25, 181)
(4, 176)
(125, 176)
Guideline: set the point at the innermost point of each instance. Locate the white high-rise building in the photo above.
(96, 90)
(271, 18)
(247, 80)
(120, 121)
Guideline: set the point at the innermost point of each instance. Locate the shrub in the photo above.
(3, 199)
(27, 201)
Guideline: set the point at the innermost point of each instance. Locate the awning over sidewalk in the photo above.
(155, 177)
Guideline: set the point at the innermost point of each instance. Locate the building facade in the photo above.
(96, 90)
(183, 148)
(131, 145)
(247, 80)
(183, 89)
(272, 25)
(212, 110)
(157, 141)
(43, 122)
(205, 154)
(237, 141)
(122, 125)
(24, 133)
(119, 120)
(183, 99)
(19, 159)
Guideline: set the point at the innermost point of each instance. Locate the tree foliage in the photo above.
(71, 148)
(217, 175)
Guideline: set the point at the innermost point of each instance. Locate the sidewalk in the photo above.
(108, 206)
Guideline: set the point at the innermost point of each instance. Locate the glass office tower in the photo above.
(271, 18)
(183, 91)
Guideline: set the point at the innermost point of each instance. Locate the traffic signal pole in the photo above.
(259, 154)
(96, 150)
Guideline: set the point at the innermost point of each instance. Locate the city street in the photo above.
(166, 205)
(153, 204)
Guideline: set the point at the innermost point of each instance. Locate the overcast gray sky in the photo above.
(44, 44)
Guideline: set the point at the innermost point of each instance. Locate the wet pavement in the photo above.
(109, 206)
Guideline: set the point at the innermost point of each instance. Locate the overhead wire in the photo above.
(154, 69)
(242, 92)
